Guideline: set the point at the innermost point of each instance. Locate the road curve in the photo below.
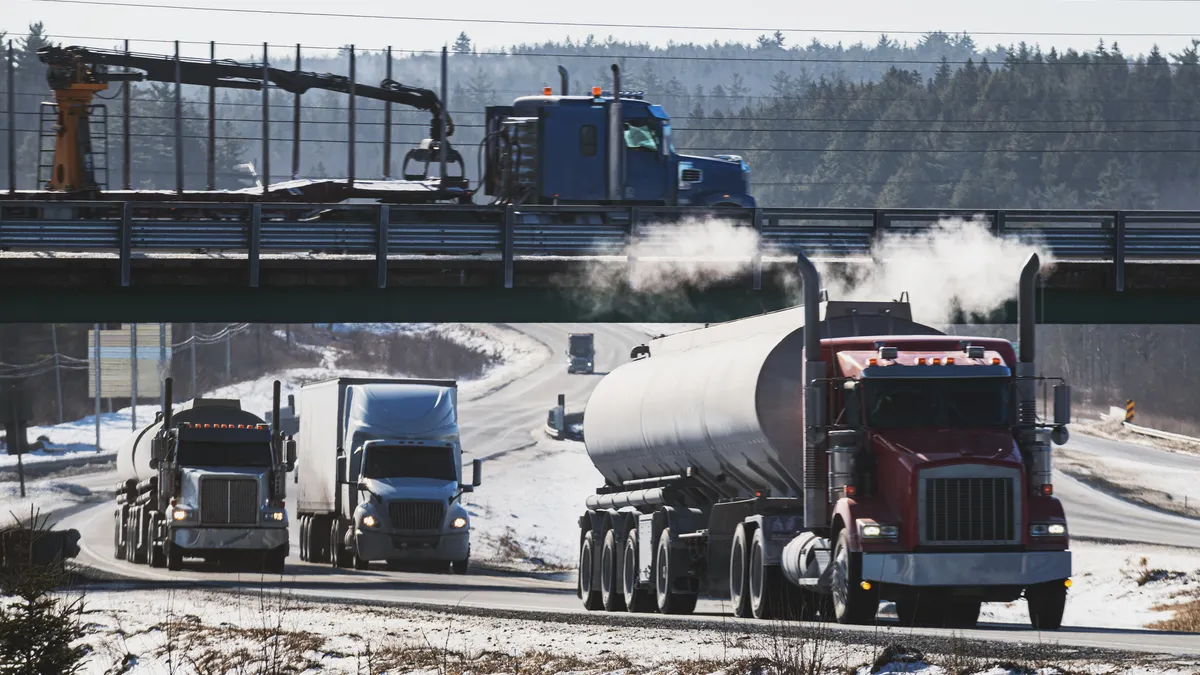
(501, 422)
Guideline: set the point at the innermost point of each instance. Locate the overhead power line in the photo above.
(595, 24)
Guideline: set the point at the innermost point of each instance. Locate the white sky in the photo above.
(1166, 19)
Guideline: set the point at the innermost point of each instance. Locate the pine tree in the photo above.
(462, 45)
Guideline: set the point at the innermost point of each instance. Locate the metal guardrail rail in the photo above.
(508, 232)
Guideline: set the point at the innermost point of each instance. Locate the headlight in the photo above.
(869, 529)
(459, 523)
(178, 514)
(369, 521)
(1047, 530)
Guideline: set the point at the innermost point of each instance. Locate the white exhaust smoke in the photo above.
(955, 266)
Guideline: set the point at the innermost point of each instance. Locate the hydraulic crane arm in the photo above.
(77, 73)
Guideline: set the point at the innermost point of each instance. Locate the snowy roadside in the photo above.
(146, 631)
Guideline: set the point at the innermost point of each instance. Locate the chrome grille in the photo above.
(417, 515)
(228, 501)
(690, 175)
(975, 510)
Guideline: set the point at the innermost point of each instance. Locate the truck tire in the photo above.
(338, 555)
(360, 564)
(460, 566)
(118, 551)
(851, 604)
(585, 589)
(137, 552)
(318, 545)
(174, 556)
(636, 599)
(611, 592)
(765, 581)
(669, 602)
(739, 579)
(1046, 604)
(304, 521)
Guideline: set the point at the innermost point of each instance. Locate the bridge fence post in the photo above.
(381, 245)
(756, 269)
(1119, 251)
(631, 249)
(878, 224)
(507, 243)
(126, 242)
(999, 222)
(254, 242)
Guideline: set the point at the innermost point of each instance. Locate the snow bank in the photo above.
(656, 329)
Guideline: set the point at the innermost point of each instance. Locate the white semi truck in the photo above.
(379, 475)
(205, 480)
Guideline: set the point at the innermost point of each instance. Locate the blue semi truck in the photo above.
(601, 148)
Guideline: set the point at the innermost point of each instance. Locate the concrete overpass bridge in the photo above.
(176, 261)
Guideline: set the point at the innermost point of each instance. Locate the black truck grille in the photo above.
(969, 510)
(417, 515)
(228, 501)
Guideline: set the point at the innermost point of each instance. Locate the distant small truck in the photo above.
(581, 353)
(379, 474)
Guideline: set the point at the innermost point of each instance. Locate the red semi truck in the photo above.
(817, 473)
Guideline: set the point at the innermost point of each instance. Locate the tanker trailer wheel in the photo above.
(851, 604)
(585, 590)
(304, 538)
(1046, 604)
(636, 599)
(118, 552)
(611, 595)
(768, 597)
(137, 551)
(665, 572)
(738, 579)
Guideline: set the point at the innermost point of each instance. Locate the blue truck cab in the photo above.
(557, 149)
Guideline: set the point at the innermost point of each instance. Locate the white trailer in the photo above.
(379, 474)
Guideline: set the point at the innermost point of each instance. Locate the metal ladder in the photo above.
(48, 136)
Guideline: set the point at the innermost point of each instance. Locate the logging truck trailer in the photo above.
(205, 480)
(815, 473)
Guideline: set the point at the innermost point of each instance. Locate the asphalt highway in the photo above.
(501, 422)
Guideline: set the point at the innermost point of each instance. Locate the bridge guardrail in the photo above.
(255, 229)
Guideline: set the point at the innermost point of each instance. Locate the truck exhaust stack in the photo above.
(566, 81)
(814, 369)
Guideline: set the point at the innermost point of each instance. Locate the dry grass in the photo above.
(1186, 617)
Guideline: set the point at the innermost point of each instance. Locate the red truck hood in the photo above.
(920, 446)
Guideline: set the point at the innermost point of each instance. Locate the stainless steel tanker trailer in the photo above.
(205, 480)
(816, 473)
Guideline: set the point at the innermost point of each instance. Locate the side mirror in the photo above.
(290, 452)
(156, 452)
(816, 400)
(476, 473)
(362, 485)
(1062, 404)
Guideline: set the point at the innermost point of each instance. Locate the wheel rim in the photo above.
(756, 574)
(737, 572)
(662, 584)
(841, 580)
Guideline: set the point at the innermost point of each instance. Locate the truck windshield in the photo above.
(410, 462)
(940, 403)
(209, 453)
(581, 345)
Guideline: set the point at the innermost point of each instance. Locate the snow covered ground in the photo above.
(527, 513)
(144, 632)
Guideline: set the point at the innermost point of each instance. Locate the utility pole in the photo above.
(133, 359)
(193, 351)
(97, 357)
(228, 357)
(57, 370)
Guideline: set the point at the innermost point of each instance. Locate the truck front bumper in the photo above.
(1019, 568)
(230, 538)
(385, 546)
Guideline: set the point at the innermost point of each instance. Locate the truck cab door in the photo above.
(647, 160)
